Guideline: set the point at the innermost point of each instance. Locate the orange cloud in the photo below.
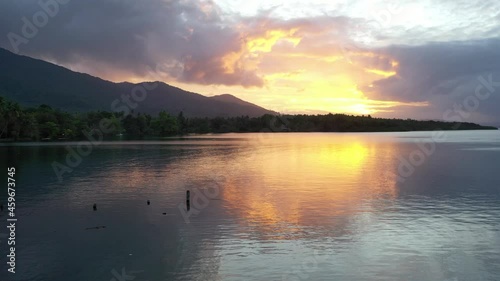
(385, 74)
(303, 70)
(293, 66)
(271, 37)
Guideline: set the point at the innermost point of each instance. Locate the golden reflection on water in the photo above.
(318, 182)
(277, 184)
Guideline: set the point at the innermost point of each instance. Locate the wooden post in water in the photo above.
(188, 197)
(149, 202)
(95, 207)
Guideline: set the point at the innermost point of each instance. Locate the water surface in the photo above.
(319, 206)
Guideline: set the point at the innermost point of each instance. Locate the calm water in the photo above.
(263, 207)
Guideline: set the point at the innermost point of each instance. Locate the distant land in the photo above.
(43, 101)
(32, 82)
(48, 124)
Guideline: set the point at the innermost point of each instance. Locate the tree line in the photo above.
(46, 123)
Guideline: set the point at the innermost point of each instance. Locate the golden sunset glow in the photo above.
(361, 109)
(297, 75)
(296, 57)
(381, 72)
(235, 140)
(298, 78)
(343, 162)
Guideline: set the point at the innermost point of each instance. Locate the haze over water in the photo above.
(318, 206)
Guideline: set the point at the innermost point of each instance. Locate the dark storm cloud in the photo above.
(138, 36)
(445, 75)
(437, 69)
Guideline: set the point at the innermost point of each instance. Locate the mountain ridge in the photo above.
(32, 82)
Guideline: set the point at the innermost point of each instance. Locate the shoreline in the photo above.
(189, 136)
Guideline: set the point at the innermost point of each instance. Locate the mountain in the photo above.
(231, 99)
(32, 82)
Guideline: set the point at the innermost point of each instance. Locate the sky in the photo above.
(424, 59)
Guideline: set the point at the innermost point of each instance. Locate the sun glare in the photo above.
(299, 79)
(361, 109)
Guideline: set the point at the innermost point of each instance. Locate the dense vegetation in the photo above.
(46, 123)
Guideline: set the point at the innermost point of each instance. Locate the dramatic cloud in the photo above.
(446, 74)
(185, 39)
(397, 59)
